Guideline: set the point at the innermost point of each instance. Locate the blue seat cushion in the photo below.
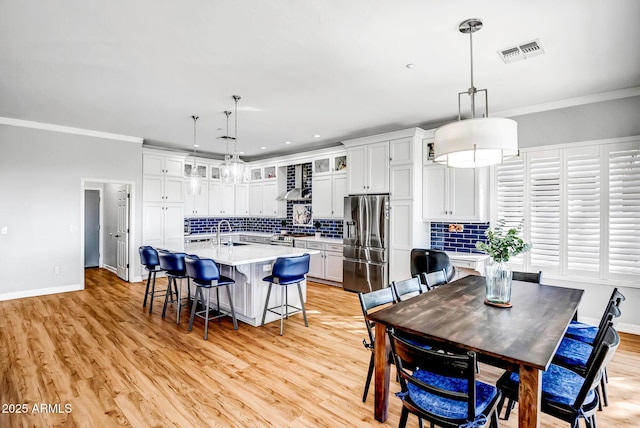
(573, 353)
(559, 385)
(583, 332)
(224, 280)
(284, 281)
(446, 407)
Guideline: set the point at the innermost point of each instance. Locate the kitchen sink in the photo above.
(234, 244)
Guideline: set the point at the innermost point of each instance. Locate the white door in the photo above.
(122, 234)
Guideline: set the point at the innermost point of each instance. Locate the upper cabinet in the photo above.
(162, 178)
(368, 170)
(330, 164)
(455, 194)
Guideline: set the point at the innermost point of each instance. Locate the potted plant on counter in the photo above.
(283, 223)
(501, 245)
(317, 225)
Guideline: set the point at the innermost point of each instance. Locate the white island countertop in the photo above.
(243, 254)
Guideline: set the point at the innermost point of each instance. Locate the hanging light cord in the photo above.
(195, 118)
(235, 144)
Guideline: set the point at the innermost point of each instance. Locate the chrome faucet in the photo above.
(218, 231)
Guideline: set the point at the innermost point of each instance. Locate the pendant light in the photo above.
(475, 142)
(233, 167)
(194, 180)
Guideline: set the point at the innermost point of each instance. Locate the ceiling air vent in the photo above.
(523, 51)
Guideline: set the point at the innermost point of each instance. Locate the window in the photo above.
(581, 206)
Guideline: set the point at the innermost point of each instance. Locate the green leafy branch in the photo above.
(501, 245)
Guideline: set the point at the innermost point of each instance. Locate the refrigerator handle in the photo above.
(350, 225)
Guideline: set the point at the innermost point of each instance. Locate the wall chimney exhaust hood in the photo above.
(298, 193)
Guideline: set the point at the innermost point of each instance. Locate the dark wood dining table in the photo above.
(521, 338)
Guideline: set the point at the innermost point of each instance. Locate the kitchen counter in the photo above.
(247, 265)
(243, 254)
(468, 262)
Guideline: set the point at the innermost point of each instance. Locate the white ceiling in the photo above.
(328, 67)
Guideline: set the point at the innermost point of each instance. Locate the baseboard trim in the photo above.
(40, 292)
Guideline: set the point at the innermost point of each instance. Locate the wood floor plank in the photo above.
(114, 364)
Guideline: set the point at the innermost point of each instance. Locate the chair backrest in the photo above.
(148, 256)
(603, 354)
(610, 314)
(286, 268)
(373, 300)
(535, 277)
(617, 297)
(435, 279)
(406, 288)
(427, 261)
(202, 270)
(173, 263)
(409, 357)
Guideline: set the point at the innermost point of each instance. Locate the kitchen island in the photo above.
(247, 264)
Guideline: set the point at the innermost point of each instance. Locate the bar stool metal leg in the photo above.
(282, 303)
(233, 311)
(266, 305)
(304, 312)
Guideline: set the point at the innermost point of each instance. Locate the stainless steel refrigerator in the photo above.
(366, 240)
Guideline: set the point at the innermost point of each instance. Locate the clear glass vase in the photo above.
(498, 283)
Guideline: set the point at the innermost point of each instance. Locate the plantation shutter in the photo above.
(584, 186)
(544, 210)
(510, 183)
(624, 209)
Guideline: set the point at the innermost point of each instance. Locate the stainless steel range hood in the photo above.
(298, 193)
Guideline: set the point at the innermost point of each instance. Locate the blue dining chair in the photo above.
(441, 387)
(567, 395)
(173, 264)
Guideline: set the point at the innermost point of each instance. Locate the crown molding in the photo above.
(571, 102)
(68, 130)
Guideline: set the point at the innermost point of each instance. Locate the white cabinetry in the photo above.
(241, 200)
(264, 192)
(325, 267)
(163, 196)
(162, 178)
(329, 186)
(455, 194)
(221, 199)
(368, 170)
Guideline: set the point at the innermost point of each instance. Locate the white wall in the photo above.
(41, 176)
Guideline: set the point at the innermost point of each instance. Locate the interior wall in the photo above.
(41, 176)
(595, 121)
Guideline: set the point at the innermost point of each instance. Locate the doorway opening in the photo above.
(106, 226)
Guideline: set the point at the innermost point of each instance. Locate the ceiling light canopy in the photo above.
(475, 142)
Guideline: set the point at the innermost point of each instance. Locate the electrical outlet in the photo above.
(4, 230)
(56, 270)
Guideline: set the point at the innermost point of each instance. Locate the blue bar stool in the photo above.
(206, 274)
(149, 258)
(287, 271)
(173, 265)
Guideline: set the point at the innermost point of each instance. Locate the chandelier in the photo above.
(475, 142)
(194, 180)
(232, 170)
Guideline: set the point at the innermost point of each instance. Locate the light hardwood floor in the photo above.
(100, 354)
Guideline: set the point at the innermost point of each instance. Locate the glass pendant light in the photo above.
(475, 142)
(194, 180)
(233, 167)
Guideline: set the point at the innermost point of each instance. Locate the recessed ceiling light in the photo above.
(410, 65)
(287, 142)
(196, 145)
(316, 136)
(240, 153)
(263, 148)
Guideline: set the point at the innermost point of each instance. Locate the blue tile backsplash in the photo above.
(462, 242)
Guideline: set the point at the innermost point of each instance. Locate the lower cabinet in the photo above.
(326, 265)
